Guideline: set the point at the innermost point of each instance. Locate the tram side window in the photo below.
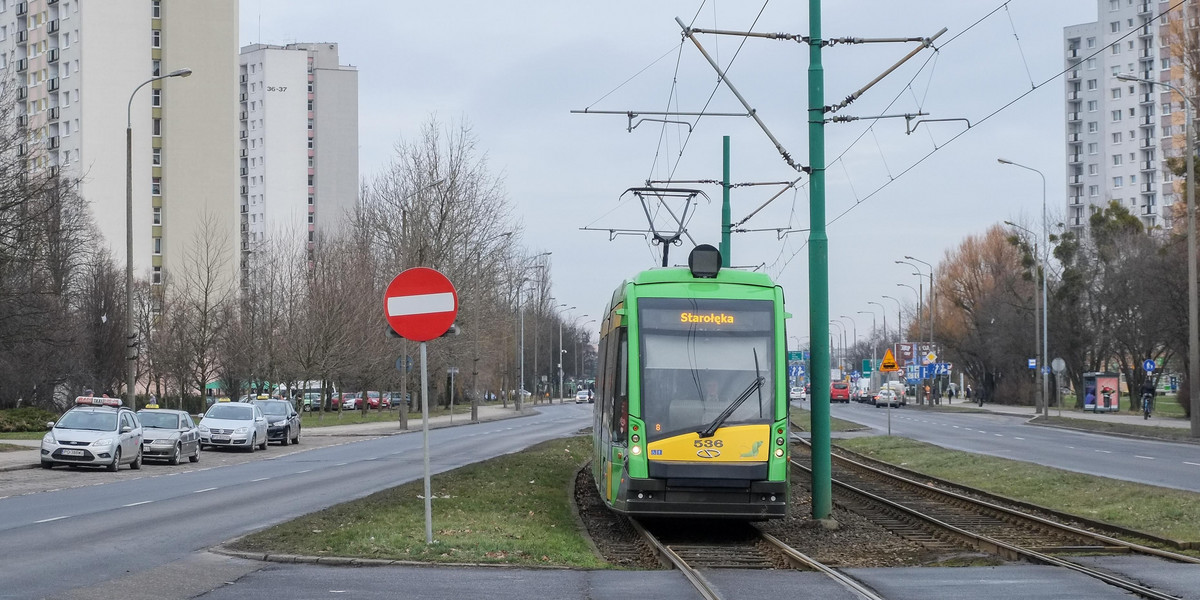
(620, 420)
(603, 404)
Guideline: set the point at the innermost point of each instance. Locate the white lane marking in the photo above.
(1103, 451)
(1071, 447)
(304, 471)
(259, 479)
(955, 426)
(53, 519)
(1019, 438)
(1145, 457)
(204, 490)
(137, 503)
(341, 464)
(998, 434)
(1191, 463)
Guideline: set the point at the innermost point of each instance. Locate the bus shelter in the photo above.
(1101, 392)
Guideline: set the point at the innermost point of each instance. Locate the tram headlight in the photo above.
(778, 441)
(779, 452)
(636, 438)
(636, 450)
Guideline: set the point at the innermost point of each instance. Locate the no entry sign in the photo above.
(420, 304)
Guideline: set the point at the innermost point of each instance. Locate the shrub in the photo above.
(25, 419)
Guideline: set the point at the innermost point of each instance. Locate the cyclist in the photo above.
(1148, 393)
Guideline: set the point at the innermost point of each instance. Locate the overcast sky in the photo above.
(513, 71)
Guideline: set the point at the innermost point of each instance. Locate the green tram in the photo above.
(691, 415)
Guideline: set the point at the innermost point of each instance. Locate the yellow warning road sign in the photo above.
(889, 362)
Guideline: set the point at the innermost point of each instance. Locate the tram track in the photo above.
(731, 545)
(943, 520)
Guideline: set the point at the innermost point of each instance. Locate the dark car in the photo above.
(839, 391)
(283, 422)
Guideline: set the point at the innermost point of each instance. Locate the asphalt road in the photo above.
(1152, 462)
(54, 542)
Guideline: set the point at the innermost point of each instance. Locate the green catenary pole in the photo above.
(818, 274)
(725, 205)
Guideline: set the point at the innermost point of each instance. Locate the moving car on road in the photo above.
(839, 391)
(796, 393)
(886, 397)
(169, 435)
(283, 422)
(234, 424)
(96, 431)
(583, 397)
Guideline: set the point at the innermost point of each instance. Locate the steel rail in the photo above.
(693, 576)
(845, 580)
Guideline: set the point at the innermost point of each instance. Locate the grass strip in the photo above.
(1165, 512)
(802, 420)
(387, 415)
(23, 435)
(514, 509)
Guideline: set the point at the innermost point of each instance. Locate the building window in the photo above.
(155, 38)
(156, 157)
(156, 186)
(1116, 160)
(155, 68)
(1093, 148)
(1166, 108)
(157, 276)
(157, 218)
(1092, 105)
(1116, 48)
(1091, 42)
(1093, 127)
(1116, 93)
(310, 200)
(1093, 190)
(311, 218)
(156, 9)
(157, 127)
(1114, 5)
(1166, 63)
(1116, 115)
(158, 245)
(156, 97)
(1091, 84)
(1093, 169)
(1115, 26)
(1118, 182)
(1116, 137)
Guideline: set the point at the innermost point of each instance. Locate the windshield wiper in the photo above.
(755, 385)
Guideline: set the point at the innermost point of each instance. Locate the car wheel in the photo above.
(287, 437)
(253, 443)
(116, 461)
(47, 465)
(195, 457)
(296, 440)
(174, 460)
(137, 461)
(263, 445)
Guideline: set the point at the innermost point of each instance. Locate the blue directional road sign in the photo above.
(1149, 365)
(793, 370)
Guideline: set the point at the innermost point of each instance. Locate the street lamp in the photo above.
(130, 334)
(882, 311)
(874, 344)
(1042, 353)
(585, 323)
(1042, 366)
(521, 310)
(561, 397)
(1193, 311)
(932, 297)
(842, 354)
(899, 321)
(478, 325)
(853, 339)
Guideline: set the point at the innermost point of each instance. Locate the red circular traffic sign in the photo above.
(420, 304)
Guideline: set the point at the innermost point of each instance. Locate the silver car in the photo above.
(97, 431)
(234, 424)
(169, 435)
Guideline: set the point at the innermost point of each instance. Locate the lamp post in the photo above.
(561, 397)
(842, 354)
(932, 297)
(577, 368)
(521, 310)
(478, 322)
(1039, 347)
(1193, 316)
(853, 338)
(1042, 365)
(899, 322)
(874, 345)
(130, 334)
(920, 302)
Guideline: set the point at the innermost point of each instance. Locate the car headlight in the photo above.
(241, 430)
(103, 442)
(49, 438)
(203, 429)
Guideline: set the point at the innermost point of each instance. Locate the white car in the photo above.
(234, 424)
(97, 431)
(583, 397)
(886, 397)
(796, 393)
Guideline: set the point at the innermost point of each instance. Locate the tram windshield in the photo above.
(697, 356)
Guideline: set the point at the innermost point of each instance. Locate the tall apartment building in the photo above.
(299, 144)
(1119, 133)
(77, 64)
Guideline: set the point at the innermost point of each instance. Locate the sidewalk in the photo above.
(1128, 418)
(30, 459)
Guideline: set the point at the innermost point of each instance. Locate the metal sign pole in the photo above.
(425, 444)
(452, 370)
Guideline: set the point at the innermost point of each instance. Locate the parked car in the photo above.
(796, 393)
(351, 400)
(169, 435)
(377, 400)
(96, 431)
(310, 401)
(839, 391)
(886, 397)
(283, 422)
(234, 424)
(583, 397)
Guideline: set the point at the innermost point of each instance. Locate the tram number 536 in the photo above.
(708, 444)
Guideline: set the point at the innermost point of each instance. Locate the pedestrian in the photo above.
(927, 398)
(88, 392)
(153, 401)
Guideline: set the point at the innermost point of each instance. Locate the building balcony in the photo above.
(52, 56)
(1073, 116)
(1075, 200)
(1073, 53)
(1074, 158)
(1075, 179)
(1072, 95)
(1147, 165)
(1072, 137)
(1148, 188)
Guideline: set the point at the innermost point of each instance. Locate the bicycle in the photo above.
(1147, 402)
